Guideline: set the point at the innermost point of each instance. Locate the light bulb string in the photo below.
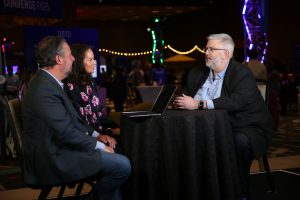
(150, 52)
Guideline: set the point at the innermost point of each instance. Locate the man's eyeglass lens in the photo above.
(210, 49)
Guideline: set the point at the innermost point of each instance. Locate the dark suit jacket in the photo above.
(57, 147)
(244, 103)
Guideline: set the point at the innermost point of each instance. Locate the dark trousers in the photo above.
(244, 159)
(114, 171)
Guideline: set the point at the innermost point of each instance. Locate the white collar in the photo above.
(58, 81)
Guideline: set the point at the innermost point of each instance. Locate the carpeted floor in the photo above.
(286, 142)
(10, 175)
(286, 184)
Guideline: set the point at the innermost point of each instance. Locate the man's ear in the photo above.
(58, 59)
(227, 54)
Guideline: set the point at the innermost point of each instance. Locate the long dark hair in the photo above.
(78, 74)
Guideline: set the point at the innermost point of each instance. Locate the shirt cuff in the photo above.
(95, 134)
(100, 145)
(210, 104)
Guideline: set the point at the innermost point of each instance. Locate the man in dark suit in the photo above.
(227, 84)
(58, 145)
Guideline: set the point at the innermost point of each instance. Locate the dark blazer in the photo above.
(241, 98)
(56, 142)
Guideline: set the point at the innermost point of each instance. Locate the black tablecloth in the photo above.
(184, 155)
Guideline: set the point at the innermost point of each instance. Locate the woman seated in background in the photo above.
(82, 90)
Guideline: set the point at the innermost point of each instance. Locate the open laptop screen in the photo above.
(163, 99)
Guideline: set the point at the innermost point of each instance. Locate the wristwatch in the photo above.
(107, 131)
(201, 105)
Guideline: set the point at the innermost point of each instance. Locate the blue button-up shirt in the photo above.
(211, 89)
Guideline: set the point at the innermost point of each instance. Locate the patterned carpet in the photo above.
(286, 140)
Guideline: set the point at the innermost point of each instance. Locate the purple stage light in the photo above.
(255, 35)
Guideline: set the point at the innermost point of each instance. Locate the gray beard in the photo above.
(210, 67)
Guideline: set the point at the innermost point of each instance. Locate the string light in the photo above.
(125, 53)
(185, 52)
(153, 46)
(157, 42)
(150, 52)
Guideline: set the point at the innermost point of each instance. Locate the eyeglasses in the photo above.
(211, 49)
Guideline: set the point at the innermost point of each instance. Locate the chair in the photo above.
(3, 127)
(13, 109)
(7, 144)
(263, 87)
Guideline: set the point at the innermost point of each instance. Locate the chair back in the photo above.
(15, 124)
(263, 87)
(3, 127)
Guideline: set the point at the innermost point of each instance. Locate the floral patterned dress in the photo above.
(86, 101)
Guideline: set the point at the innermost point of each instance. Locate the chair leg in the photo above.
(61, 191)
(79, 189)
(261, 164)
(44, 193)
(268, 173)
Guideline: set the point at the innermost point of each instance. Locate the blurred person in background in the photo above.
(159, 74)
(258, 69)
(12, 83)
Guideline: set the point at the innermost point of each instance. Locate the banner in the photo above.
(33, 34)
(36, 8)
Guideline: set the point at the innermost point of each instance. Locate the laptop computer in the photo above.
(149, 93)
(159, 106)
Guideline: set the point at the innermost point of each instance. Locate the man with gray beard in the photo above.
(229, 85)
